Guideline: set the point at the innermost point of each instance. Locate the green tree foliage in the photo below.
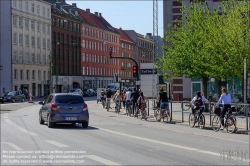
(208, 42)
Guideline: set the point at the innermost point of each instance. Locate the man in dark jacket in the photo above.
(134, 96)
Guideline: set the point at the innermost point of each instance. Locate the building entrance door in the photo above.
(196, 87)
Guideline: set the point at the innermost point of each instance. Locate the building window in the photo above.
(15, 74)
(14, 4)
(27, 74)
(48, 44)
(14, 58)
(33, 41)
(44, 43)
(27, 57)
(43, 11)
(33, 8)
(27, 6)
(14, 38)
(44, 75)
(48, 13)
(32, 24)
(33, 74)
(74, 26)
(21, 74)
(20, 4)
(44, 58)
(27, 40)
(48, 28)
(38, 42)
(33, 57)
(43, 28)
(20, 22)
(20, 39)
(38, 26)
(39, 75)
(38, 58)
(14, 20)
(26, 23)
(38, 10)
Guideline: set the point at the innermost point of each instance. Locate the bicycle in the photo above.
(198, 117)
(108, 104)
(128, 108)
(230, 121)
(103, 102)
(187, 106)
(165, 116)
(117, 106)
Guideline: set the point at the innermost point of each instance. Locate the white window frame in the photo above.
(38, 10)
(20, 58)
(20, 4)
(32, 8)
(43, 11)
(26, 6)
(14, 20)
(14, 4)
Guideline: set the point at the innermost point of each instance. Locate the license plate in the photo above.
(70, 118)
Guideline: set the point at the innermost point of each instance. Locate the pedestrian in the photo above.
(134, 97)
(142, 101)
(124, 98)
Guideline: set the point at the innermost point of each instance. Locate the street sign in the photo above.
(148, 71)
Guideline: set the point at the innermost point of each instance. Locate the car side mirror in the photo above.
(41, 102)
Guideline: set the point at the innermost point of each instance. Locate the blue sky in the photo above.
(129, 15)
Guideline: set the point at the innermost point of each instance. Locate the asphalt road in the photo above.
(113, 139)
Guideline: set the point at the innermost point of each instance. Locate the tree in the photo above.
(205, 44)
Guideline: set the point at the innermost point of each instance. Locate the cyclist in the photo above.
(102, 94)
(117, 99)
(197, 101)
(163, 99)
(225, 98)
(128, 97)
(108, 97)
(142, 101)
(134, 97)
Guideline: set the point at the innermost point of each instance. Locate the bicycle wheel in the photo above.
(186, 107)
(165, 117)
(239, 108)
(129, 110)
(191, 120)
(201, 122)
(158, 115)
(231, 124)
(108, 104)
(216, 123)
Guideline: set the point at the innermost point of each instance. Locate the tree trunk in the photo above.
(204, 86)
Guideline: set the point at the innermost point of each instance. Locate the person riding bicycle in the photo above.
(225, 98)
(163, 99)
(102, 94)
(108, 97)
(142, 101)
(117, 98)
(198, 102)
(128, 97)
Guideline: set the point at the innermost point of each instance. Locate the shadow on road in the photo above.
(72, 127)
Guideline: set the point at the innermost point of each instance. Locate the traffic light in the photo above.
(110, 51)
(135, 71)
(116, 77)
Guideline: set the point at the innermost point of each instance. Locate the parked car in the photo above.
(91, 92)
(64, 108)
(76, 91)
(12, 96)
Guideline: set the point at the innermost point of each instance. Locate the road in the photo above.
(113, 139)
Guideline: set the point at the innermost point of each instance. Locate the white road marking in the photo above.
(167, 144)
(164, 128)
(56, 143)
(101, 160)
(13, 145)
(6, 119)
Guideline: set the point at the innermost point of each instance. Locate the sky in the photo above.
(129, 15)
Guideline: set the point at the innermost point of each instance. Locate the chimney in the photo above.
(100, 14)
(96, 13)
(74, 5)
(88, 10)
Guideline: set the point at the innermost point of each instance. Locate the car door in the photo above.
(46, 107)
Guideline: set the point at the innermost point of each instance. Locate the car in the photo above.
(76, 91)
(64, 108)
(12, 96)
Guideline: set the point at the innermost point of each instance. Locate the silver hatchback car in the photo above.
(64, 108)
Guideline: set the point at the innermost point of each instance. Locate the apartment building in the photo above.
(31, 46)
(97, 37)
(127, 50)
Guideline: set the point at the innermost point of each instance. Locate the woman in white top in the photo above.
(225, 98)
(195, 102)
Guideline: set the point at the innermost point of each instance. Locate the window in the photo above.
(48, 12)
(20, 22)
(33, 41)
(74, 26)
(43, 11)
(20, 4)
(14, 20)
(39, 75)
(43, 28)
(38, 9)
(44, 75)
(122, 45)
(27, 40)
(83, 70)
(38, 42)
(33, 74)
(32, 24)
(26, 23)
(83, 43)
(27, 74)
(15, 74)
(20, 39)
(27, 57)
(14, 38)
(33, 57)
(27, 6)
(14, 4)
(38, 58)
(44, 58)
(44, 43)
(48, 28)
(38, 26)
(21, 74)
(48, 44)
(33, 8)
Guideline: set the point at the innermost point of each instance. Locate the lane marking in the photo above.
(13, 145)
(7, 120)
(160, 127)
(58, 144)
(167, 144)
(101, 160)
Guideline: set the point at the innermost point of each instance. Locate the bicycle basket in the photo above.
(217, 111)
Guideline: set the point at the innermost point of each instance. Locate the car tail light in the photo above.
(85, 107)
(53, 107)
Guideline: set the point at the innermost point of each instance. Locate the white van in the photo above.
(114, 86)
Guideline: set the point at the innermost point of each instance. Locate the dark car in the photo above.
(12, 96)
(64, 108)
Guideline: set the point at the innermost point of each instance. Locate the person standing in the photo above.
(134, 98)
(108, 97)
(128, 96)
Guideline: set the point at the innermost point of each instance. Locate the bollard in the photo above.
(171, 110)
(148, 107)
(182, 111)
(210, 114)
(246, 114)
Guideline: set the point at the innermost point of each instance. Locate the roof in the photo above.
(96, 20)
(124, 36)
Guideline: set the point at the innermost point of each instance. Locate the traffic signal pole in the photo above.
(136, 64)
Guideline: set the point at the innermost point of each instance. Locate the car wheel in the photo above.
(50, 124)
(85, 124)
(13, 100)
(41, 121)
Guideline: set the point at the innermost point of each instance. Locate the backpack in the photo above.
(198, 102)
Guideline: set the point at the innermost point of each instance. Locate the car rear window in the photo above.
(68, 99)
